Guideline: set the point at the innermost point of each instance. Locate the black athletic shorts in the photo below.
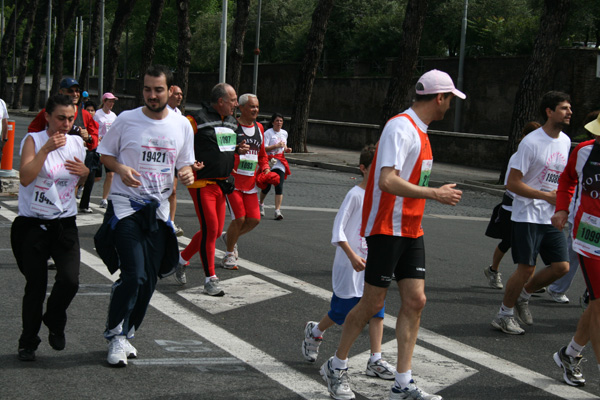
(399, 256)
(529, 240)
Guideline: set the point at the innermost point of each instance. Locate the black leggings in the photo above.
(278, 188)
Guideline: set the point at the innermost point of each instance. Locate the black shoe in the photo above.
(57, 342)
(26, 354)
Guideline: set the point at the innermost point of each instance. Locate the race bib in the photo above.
(226, 139)
(587, 238)
(550, 181)
(46, 201)
(157, 155)
(425, 172)
(247, 165)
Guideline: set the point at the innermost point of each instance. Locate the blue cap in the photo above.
(66, 83)
(85, 94)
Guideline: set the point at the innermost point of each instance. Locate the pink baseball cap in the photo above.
(435, 81)
(109, 96)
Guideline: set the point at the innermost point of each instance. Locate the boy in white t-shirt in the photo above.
(348, 277)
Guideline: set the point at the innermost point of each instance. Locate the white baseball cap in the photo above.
(435, 81)
(594, 126)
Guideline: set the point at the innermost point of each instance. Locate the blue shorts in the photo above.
(529, 240)
(341, 307)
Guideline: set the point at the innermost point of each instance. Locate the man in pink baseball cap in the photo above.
(393, 207)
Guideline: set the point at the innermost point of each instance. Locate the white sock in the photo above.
(336, 363)
(506, 311)
(181, 260)
(524, 295)
(208, 278)
(375, 357)
(403, 378)
(573, 349)
(316, 332)
(229, 253)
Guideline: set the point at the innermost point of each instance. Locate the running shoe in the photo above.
(235, 247)
(494, 278)
(338, 381)
(522, 309)
(381, 369)
(85, 210)
(278, 215)
(558, 297)
(411, 392)
(57, 340)
(262, 209)
(79, 192)
(103, 203)
(507, 324)
(310, 344)
(229, 262)
(130, 351)
(180, 276)
(116, 351)
(26, 354)
(178, 230)
(572, 373)
(212, 287)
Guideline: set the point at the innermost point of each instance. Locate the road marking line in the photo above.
(187, 361)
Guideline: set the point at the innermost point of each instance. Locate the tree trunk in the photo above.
(122, 14)
(403, 69)
(24, 57)
(63, 23)
(16, 18)
(184, 57)
(93, 42)
(236, 54)
(39, 44)
(533, 83)
(306, 77)
(156, 10)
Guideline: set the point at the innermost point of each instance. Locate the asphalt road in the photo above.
(246, 344)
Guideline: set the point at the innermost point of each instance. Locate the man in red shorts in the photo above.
(393, 208)
(215, 143)
(243, 201)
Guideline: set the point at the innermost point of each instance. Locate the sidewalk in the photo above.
(347, 161)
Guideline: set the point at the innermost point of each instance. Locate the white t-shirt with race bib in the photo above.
(52, 194)
(541, 159)
(154, 148)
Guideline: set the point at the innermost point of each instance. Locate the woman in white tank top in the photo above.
(51, 166)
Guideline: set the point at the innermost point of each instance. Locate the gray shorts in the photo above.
(529, 240)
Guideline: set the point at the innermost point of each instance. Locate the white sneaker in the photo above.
(507, 324)
(180, 276)
(117, 354)
(262, 209)
(85, 210)
(229, 262)
(130, 351)
(411, 392)
(338, 381)
(310, 344)
(178, 230)
(558, 297)
(278, 215)
(212, 287)
(381, 369)
(103, 203)
(79, 192)
(494, 278)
